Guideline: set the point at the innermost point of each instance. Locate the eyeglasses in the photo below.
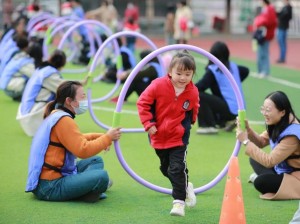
(265, 110)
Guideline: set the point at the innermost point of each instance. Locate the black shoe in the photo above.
(280, 61)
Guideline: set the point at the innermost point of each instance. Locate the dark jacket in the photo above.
(284, 17)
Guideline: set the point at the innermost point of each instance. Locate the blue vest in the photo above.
(225, 86)
(38, 150)
(12, 68)
(8, 56)
(131, 57)
(33, 87)
(8, 37)
(294, 130)
(158, 69)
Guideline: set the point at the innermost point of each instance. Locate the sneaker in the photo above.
(110, 183)
(191, 199)
(207, 130)
(252, 178)
(230, 125)
(178, 208)
(114, 100)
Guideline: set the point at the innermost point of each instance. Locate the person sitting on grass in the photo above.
(53, 173)
(143, 78)
(277, 174)
(20, 68)
(128, 63)
(219, 109)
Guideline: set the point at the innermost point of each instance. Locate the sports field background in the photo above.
(128, 201)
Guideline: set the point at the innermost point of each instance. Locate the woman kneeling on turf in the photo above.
(277, 174)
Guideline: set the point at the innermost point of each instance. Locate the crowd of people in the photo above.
(48, 105)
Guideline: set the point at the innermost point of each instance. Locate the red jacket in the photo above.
(268, 19)
(172, 116)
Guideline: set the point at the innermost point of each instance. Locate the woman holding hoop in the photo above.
(277, 173)
(54, 174)
(167, 108)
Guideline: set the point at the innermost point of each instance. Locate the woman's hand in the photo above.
(152, 130)
(114, 133)
(241, 135)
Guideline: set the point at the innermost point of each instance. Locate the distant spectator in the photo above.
(264, 25)
(8, 9)
(106, 14)
(131, 11)
(131, 25)
(284, 17)
(183, 22)
(33, 8)
(169, 24)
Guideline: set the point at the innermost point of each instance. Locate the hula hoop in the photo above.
(52, 34)
(69, 22)
(40, 25)
(34, 20)
(58, 24)
(120, 102)
(92, 68)
(80, 23)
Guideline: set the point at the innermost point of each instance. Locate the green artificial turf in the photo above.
(128, 201)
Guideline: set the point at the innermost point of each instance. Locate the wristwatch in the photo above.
(245, 142)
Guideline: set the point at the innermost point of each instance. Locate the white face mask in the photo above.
(82, 108)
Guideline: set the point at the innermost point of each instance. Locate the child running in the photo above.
(167, 108)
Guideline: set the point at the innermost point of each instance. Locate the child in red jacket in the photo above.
(167, 108)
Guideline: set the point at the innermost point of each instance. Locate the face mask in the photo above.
(82, 108)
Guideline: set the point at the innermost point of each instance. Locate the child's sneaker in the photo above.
(191, 199)
(178, 208)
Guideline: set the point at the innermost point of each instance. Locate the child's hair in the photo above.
(58, 59)
(35, 51)
(220, 50)
(184, 61)
(64, 90)
(21, 41)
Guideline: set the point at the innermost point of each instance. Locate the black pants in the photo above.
(267, 181)
(173, 166)
(213, 111)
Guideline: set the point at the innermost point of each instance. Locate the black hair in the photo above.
(144, 53)
(21, 41)
(35, 51)
(18, 20)
(266, 2)
(184, 61)
(282, 103)
(58, 59)
(220, 50)
(64, 90)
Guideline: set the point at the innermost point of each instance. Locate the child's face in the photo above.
(180, 77)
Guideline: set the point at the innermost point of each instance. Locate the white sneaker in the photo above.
(191, 199)
(207, 130)
(252, 178)
(178, 208)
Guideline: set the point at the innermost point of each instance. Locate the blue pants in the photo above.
(281, 38)
(263, 58)
(91, 178)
